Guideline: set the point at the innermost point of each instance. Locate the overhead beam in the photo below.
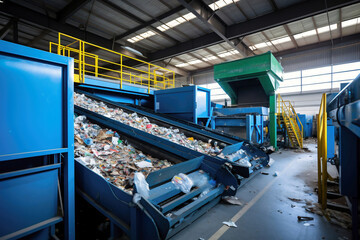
(71, 9)
(135, 18)
(316, 28)
(282, 16)
(291, 35)
(205, 14)
(6, 29)
(44, 21)
(16, 31)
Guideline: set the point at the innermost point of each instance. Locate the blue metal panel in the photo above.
(36, 101)
(172, 102)
(244, 110)
(330, 139)
(27, 198)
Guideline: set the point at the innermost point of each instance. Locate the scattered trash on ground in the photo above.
(276, 174)
(264, 173)
(295, 199)
(230, 224)
(271, 162)
(232, 200)
(304, 218)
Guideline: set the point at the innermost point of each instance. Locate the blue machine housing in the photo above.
(36, 143)
(344, 110)
(190, 103)
(307, 122)
(248, 121)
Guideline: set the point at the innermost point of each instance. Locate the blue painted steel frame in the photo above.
(21, 54)
(344, 110)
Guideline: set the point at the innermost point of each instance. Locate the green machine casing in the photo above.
(252, 82)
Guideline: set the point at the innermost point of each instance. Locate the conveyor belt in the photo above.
(190, 130)
(167, 210)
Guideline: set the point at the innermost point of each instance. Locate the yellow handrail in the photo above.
(86, 63)
(287, 111)
(322, 153)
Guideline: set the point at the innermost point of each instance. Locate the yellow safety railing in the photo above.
(291, 120)
(322, 153)
(104, 66)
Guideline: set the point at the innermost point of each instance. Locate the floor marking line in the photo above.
(242, 211)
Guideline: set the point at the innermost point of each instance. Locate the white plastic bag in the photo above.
(142, 187)
(182, 182)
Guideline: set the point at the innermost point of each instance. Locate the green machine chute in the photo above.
(252, 81)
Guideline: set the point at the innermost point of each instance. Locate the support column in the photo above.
(272, 123)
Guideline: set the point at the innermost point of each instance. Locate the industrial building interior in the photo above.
(179, 119)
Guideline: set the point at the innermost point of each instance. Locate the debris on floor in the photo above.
(276, 174)
(271, 162)
(103, 151)
(232, 200)
(264, 173)
(304, 218)
(230, 224)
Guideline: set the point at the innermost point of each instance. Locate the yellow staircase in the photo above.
(287, 117)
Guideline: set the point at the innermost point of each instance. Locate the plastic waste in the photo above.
(107, 155)
(182, 182)
(142, 187)
(230, 224)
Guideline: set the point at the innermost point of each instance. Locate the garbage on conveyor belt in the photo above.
(143, 123)
(171, 134)
(103, 151)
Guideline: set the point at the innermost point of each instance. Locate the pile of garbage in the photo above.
(143, 123)
(103, 151)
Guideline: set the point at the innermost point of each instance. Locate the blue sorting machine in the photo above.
(36, 144)
(197, 106)
(307, 122)
(151, 216)
(245, 122)
(344, 111)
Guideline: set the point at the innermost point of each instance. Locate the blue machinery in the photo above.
(247, 122)
(36, 143)
(37, 166)
(344, 110)
(151, 214)
(196, 107)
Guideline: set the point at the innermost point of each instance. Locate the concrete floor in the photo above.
(267, 212)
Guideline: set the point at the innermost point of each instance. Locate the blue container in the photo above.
(36, 142)
(189, 103)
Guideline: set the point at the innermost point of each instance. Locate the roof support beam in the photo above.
(71, 9)
(6, 29)
(16, 31)
(42, 20)
(205, 14)
(290, 35)
(136, 19)
(274, 19)
(316, 29)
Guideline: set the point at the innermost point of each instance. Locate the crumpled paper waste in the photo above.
(103, 151)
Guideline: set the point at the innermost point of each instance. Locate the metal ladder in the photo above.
(288, 117)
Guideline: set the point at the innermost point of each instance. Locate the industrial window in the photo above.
(319, 79)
